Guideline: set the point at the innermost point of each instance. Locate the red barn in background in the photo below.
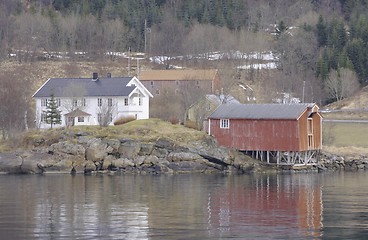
(280, 133)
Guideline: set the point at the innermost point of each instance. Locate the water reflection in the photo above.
(66, 211)
(267, 206)
(183, 206)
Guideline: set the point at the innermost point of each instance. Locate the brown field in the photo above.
(345, 138)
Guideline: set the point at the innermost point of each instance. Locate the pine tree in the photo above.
(321, 31)
(52, 113)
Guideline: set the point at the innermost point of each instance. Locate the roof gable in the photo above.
(260, 111)
(77, 113)
(177, 75)
(116, 86)
(135, 82)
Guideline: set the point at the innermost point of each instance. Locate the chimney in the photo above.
(94, 76)
(108, 75)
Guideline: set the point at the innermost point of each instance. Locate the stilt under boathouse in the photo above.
(282, 134)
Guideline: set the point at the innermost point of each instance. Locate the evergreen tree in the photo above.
(52, 113)
(321, 31)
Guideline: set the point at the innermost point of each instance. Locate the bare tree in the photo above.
(166, 106)
(113, 35)
(33, 33)
(16, 104)
(68, 33)
(341, 84)
(171, 32)
(189, 92)
(106, 111)
(298, 52)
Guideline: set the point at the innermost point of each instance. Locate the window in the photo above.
(224, 123)
(58, 102)
(99, 102)
(126, 102)
(310, 133)
(80, 119)
(43, 117)
(157, 92)
(140, 101)
(75, 102)
(43, 102)
(151, 83)
(99, 117)
(310, 126)
(83, 102)
(109, 102)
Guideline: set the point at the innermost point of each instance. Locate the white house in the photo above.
(93, 101)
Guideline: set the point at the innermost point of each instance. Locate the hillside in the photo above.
(358, 101)
(39, 71)
(351, 108)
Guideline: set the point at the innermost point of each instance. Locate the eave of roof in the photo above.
(178, 75)
(90, 87)
(260, 111)
(77, 113)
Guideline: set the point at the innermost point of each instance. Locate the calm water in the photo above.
(303, 206)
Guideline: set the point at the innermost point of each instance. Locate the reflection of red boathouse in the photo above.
(268, 206)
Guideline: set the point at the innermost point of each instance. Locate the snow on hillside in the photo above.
(256, 60)
(266, 60)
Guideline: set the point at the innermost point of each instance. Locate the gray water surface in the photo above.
(191, 206)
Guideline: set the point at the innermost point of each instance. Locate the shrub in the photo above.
(191, 124)
(123, 120)
(173, 120)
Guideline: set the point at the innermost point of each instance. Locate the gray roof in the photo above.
(116, 86)
(260, 111)
(77, 113)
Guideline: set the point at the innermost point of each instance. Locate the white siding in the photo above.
(120, 110)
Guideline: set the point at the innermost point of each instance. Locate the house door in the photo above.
(70, 121)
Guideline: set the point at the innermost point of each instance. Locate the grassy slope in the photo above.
(144, 130)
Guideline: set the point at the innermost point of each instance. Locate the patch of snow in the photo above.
(270, 65)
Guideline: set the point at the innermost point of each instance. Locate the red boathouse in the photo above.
(277, 133)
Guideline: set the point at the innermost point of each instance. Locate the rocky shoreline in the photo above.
(78, 152)
(331, 162)
(81, 153)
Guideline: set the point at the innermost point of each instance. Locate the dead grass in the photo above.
(144, 130)
(346, 115)
(4, 146)
(353, 152)
(124, 120)
(357, 101)
(347, 134)
(345, 138)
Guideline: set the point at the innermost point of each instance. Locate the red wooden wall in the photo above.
(268, 134)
